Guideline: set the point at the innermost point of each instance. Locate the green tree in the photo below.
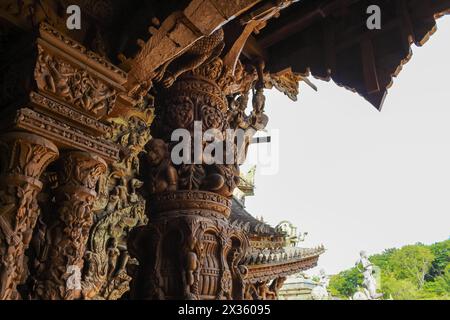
(412, 262)
(438, 286)
(346, 283)
(441, 251)
(382, 260)
(398, 289)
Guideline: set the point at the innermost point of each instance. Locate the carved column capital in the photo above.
(24, 157)
(79, 172)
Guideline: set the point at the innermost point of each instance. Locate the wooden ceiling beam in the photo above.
(369, 66)
(298, 23)
(253, 49)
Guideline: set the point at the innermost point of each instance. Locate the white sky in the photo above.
(358, 179)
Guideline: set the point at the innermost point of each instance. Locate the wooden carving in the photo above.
(118, 209)
(68, 232)
(24, 158)
(74, 86)
(121, 218)
(200, 231)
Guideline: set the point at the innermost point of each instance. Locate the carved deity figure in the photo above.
(135, 184)
(114, 200)
(57, 79)
(122, 192)
(236, 116)
(191, 276)
(163, 175)
(257, 118)
(113, 256)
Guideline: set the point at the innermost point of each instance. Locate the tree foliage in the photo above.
(411, 272)
(345, 283)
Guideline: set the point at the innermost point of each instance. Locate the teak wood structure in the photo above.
(91, 205)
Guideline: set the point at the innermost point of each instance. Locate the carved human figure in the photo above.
(320, 292)
(113, 256)
(57, 78)
(192, 265)
(369, 282)
(124, 257)
(114, 200)
(237, 117)
(163, 175)
(257, 118)
(264, 293)
(122, 192)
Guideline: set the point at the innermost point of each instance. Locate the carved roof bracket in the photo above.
(176, 35)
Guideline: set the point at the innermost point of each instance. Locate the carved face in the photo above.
(156, 152)
(242, 102)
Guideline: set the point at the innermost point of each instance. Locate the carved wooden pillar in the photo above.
(24, 157)
(77, 177)
(189, 250)
(58, 89)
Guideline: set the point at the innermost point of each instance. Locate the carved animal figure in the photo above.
(276, 285)
(203, 51)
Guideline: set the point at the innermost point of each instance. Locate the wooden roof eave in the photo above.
(364, 62)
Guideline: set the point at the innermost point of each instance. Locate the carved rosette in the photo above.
(195, 224)
(77, 177)
(24, 157)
